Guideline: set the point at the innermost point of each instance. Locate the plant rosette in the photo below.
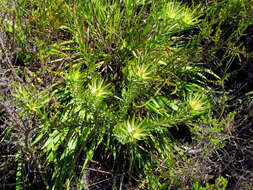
(131, 131)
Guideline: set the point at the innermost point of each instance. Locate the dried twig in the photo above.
(8, 61)
(93, 184)
(98, 170)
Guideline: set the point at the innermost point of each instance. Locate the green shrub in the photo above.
(121, 76)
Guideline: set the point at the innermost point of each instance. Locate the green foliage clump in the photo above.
(220, 184)
(114, 78)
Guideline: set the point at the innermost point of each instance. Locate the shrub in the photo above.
(112, 80)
